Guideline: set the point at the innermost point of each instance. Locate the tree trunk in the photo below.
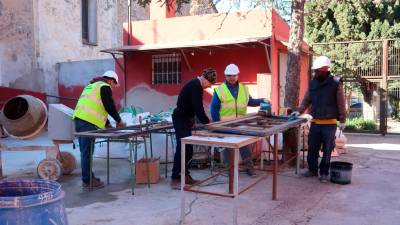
(294, 53)
(292, 87)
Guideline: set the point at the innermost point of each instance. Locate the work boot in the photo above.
(175, 183)
(189, 180)
(96, 184)
(251, 172)
(309, 174)
(323, 178)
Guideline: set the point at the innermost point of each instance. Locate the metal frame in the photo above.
(128, 134)
(216, 141)
(246, 125)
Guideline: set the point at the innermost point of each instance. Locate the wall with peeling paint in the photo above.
(38, 35)
(60, 35)
(17, 53)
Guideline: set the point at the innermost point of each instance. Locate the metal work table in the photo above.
(131, 135)
(234, 134)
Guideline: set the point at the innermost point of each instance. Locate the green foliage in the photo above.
(360, 124)
(343, 20)
(351, 20)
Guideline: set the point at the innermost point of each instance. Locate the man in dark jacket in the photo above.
(189, 106)
(91, 111)
(326, 98)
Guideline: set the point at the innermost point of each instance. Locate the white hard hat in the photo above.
(231, 69)
(111, 74)
(321, 61)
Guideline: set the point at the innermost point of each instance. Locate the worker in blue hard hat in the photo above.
(91, 111)
(230, 101)
(326, 97)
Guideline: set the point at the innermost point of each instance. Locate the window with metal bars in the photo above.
(167, 69)
(89, 22)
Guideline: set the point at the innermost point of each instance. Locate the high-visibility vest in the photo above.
(90, 108)
(230, 107)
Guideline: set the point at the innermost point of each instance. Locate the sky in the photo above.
(237, 5)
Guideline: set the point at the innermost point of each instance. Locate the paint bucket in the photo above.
(31, 202)
(23, 116)
(341, 172)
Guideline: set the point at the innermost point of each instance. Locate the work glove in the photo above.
(266, 101)
(121, 124)
(342, 126)
(294, 115)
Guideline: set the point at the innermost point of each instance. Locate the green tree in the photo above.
(351, 20)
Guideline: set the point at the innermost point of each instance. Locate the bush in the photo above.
(360, 124)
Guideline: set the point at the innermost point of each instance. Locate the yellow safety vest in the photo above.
(90, 107)
(230, 107)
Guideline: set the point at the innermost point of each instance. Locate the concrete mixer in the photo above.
(24, 117)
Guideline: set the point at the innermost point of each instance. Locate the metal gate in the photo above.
(371, 71)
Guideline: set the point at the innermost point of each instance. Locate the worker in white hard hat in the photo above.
(230, 101)
(326, 97)
(91, 112)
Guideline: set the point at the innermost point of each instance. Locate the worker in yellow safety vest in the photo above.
(91, 112)
(229, 101)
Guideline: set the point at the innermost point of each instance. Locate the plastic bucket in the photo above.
(31, 202)
(341, 172)
(24, 116)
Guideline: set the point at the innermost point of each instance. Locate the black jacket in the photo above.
(190, 102)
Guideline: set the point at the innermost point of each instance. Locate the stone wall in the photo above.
(36, 35)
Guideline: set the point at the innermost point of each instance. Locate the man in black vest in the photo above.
(189, 106)
(326, 98)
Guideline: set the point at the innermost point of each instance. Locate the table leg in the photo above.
(231, 169)
(147, 162)
(298, 152)
(133, 178)
(108, 161)
(136, 150)
(236, 186)
(262, 153)
(183, 165)
(166, 155)
(91, 164)
(212, 158)
(151, 145)
(275, 170)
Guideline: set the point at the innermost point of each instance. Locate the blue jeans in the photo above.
(85, 144)
(320, 135)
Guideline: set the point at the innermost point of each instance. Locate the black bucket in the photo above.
(341, 172)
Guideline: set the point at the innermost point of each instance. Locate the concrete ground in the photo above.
(371, 198)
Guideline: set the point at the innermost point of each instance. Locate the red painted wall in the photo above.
(250, 61)
(75, 92)
(8, 93)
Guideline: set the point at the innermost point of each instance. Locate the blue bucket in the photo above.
(31, 201)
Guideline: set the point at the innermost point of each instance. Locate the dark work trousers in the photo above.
(320, 134)
(84, 146)
(183, 128)
(245, 153)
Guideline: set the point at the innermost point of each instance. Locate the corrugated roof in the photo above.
(184, 44)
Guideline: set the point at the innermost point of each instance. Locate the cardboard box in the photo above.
(141, 171)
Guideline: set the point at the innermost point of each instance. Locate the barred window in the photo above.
(167, 69)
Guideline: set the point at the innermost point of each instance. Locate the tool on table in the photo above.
(265, 109)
